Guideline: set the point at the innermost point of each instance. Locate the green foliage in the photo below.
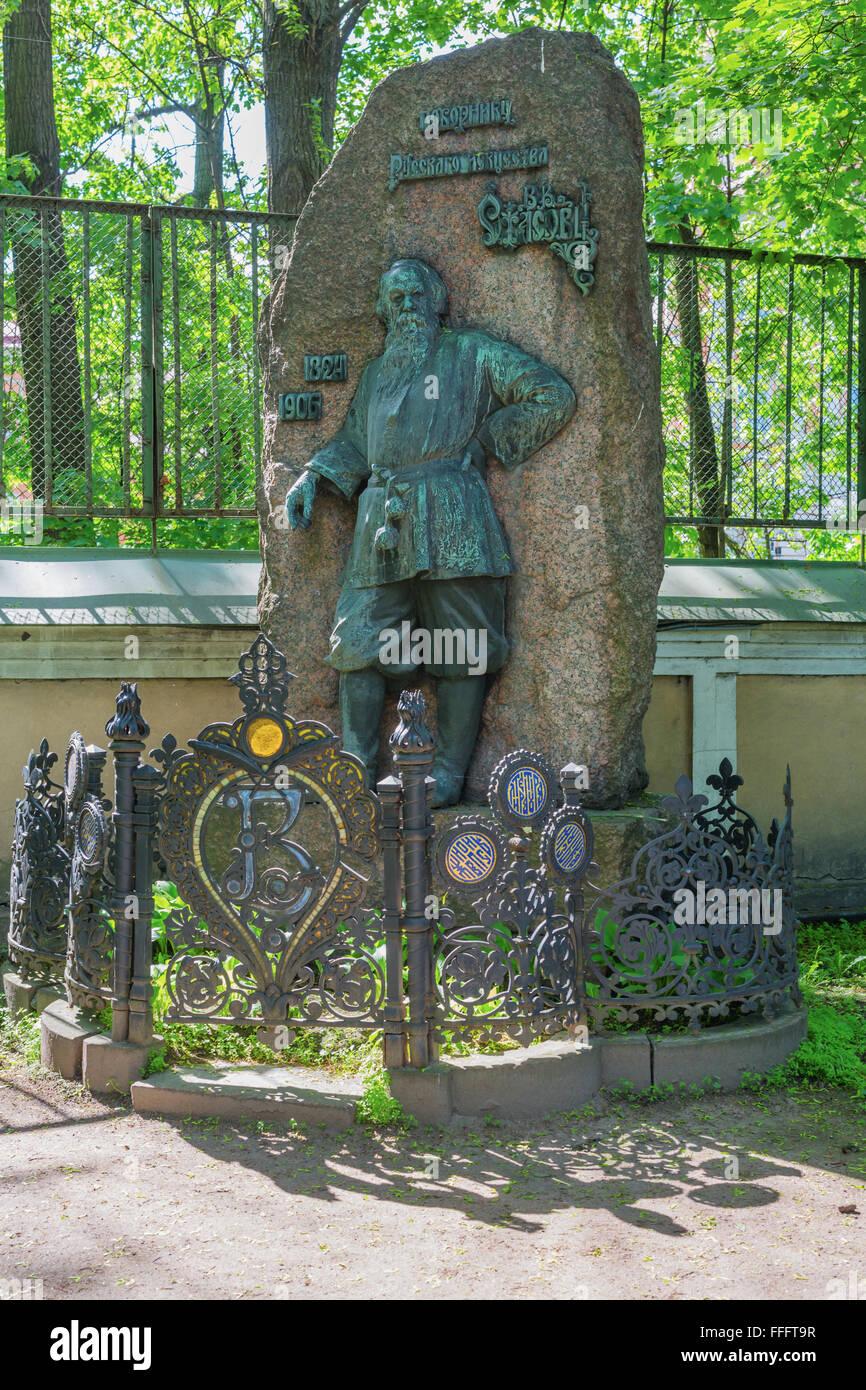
(378, 1107)
(20, 1038)
(156, 1062)
(832, 1054)
(792, 182)
(833, 979)
(323, 149)
(188, 1043)
(830, 954)
(731, 55)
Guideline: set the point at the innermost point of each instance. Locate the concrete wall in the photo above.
(32, 710)
(816, 724)
(667, 732)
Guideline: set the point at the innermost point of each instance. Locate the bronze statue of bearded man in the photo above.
(429, 555)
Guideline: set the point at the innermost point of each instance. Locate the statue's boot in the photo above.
(459, 705)
(362, 699)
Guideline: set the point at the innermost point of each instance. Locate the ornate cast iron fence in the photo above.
(39, 879)
(651, 946)
(90, 936)
(519, 970)
(492, 927)
(272, 925)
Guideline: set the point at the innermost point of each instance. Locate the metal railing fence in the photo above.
(763, 386)
(131, 382)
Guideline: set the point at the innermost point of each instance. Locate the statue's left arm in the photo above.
(536, 403)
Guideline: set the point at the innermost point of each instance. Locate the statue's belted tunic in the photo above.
(428, 546)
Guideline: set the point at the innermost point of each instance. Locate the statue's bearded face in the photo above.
(412, 327)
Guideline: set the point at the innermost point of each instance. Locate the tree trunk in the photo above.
(301, 67)
(209, 141)
(704, 453)
(56, 434)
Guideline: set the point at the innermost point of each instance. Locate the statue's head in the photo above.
(411, 292)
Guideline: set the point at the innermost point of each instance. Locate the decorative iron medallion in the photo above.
(567, 843)
(264, 737)
(75, 778)
(470, 853)
(523, 789)
(91, 834)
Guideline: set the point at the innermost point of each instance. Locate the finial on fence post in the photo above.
(413, 744)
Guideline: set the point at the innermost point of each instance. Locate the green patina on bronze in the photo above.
(300, 405)
(437, 166)
(544, 215)
(326, 366)
(463, 115)
(428, 546)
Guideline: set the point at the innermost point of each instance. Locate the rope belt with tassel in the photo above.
(397, 484)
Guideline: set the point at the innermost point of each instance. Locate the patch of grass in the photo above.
(832, 959)
(155, 1062)
(663, 1090)
(20, 1039)
(377, 1107)
(832, 1054)
(457, 1046)
(342, 1050)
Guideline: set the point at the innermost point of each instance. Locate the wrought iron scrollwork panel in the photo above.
(267, 828)
(39, 881)
(90, 946)
(515, 971)
(703, 923)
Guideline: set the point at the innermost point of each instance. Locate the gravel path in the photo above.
(719, 1198)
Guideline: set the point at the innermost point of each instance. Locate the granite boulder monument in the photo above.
(462, 479)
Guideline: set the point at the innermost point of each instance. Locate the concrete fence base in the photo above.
(558, 1075)
(561, 1075)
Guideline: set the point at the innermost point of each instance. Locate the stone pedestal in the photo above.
(114, 1066)
(18, 992)
(63, 1032)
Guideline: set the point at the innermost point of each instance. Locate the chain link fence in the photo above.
(763, 370)
(131, 383)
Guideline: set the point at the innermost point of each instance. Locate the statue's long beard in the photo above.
(407, 347)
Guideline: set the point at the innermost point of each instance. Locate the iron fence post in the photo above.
(412, 745)
(146, 781)
(394, 1043)
(126, 731)
(158, 336)
(96, 760)
(569, 780)
(148, 412)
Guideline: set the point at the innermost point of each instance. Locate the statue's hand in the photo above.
(299, 501)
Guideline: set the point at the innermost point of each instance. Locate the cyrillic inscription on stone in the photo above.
(464, 116)
(543, 215)
(436, 166)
